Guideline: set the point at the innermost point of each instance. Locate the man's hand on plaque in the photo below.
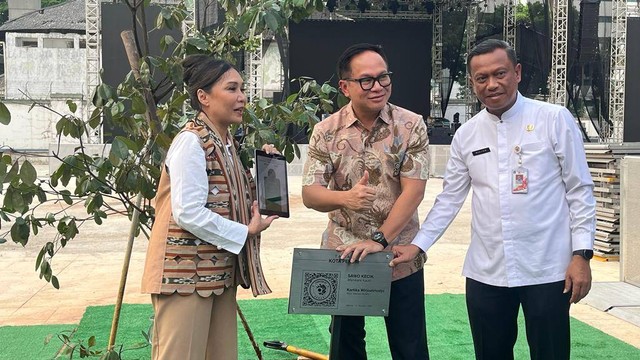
(403, 254)
(359, 250)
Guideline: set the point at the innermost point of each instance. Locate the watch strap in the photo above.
(379, 237)
(586, 254)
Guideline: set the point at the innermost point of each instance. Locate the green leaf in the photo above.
(5, 115)
(62, 126)
(95, 118)
(45, 271)
(199, 42)
(66, 196)
(263, 103)
(291, 98)
(13, 199)
(119, 150)
(327, 89)
(28, 173)
(54, 282)
(50, 218)
(271, 20)
(49, 247)
(138, 106)
(72, 230)
(3, 240)
(92, 341)
(163, 140)
(20, 232)
(72, 106)
(103, 94)
(165, 42)
(42, 196)
(13, 172)
(40, 257)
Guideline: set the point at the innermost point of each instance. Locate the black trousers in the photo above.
(406, 324)
(493, 316)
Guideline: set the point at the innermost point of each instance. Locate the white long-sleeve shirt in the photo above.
(517, 239)
(189, 188)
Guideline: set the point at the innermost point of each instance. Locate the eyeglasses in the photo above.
(367, 83)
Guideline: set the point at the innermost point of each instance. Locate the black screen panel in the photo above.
(632, 82)
(316, 45)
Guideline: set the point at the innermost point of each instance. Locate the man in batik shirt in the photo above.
(367, 167)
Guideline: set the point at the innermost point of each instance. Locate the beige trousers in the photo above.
(195, 328)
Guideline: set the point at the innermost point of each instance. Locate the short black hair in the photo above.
(202, 72)
(489, 46)
(344, 62)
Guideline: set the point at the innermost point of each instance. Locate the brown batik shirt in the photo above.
(341, 149)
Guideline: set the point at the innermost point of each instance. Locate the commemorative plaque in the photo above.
(322, 283)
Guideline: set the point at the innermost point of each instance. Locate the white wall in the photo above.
(18, 8)
(629, 229)
(44, 72)
(271, 69)
(34, 129)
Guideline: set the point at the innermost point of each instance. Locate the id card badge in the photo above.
(520, 181)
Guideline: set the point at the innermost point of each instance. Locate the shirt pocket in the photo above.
(540, 161)
(534, 151)
(532, 147)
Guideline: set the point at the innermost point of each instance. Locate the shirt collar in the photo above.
(515, 109)
(351, 119)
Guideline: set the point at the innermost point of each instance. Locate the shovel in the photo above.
(280, 345)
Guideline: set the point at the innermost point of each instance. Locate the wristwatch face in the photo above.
(587, 254)
(377, 236)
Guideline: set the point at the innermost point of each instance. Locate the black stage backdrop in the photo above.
(316, 45)
(632, 82)
(115, 19)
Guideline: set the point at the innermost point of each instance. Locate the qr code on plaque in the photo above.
(320, 289)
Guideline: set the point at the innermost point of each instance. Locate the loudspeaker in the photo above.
(589, 12)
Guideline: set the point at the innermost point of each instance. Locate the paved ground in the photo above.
(89, 268)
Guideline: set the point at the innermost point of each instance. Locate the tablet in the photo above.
(271, 183)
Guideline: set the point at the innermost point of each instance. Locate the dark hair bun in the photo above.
(202, 72)
(191, 65)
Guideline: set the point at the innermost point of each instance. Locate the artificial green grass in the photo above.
(28, 342)
(447, 330)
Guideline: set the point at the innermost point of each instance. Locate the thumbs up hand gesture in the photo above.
(361, 196)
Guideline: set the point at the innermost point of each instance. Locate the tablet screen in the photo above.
(271, 182)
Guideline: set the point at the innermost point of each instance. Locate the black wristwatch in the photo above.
(378, 237)
(586, 254)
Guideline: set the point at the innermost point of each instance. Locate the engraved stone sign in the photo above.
(322, 283)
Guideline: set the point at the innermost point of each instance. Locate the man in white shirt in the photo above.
(533, 212)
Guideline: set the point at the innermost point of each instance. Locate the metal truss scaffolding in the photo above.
(472, 29)
(253, 70)
(618, 65)
(189, 23)
(93, 62)
(509, 23)
(436, 58)
(558, 73)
